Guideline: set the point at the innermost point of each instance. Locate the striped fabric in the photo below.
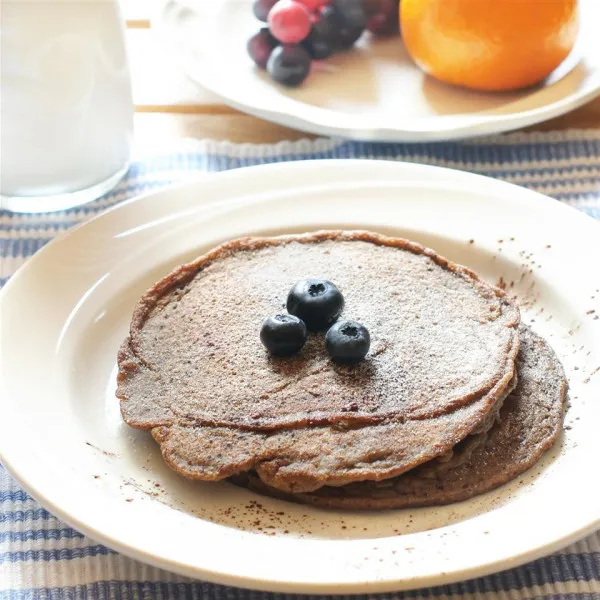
(40, 557)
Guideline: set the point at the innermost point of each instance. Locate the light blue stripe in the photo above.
(44, 226)
(54, 554)
(562, 567)
(592, 212)
(17, 516)
(14, 496)
(22, 246)
(147, 590)
(590, 596)
(29, 535)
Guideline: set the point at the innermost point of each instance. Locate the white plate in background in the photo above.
(374, 92)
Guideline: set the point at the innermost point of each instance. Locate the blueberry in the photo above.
(261, 8)
(348, 342)
(260, 47)
(289, 65)
(283, 335)
(316, 301)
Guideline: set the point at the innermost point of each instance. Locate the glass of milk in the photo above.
(66, 112)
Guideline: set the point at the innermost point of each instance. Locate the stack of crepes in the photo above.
(455, 397)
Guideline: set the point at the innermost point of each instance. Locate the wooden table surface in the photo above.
(170, 107)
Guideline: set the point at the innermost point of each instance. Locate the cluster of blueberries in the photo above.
(315, 305)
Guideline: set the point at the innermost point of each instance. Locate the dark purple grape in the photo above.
(320, 43)
(379, 25)
(289, 65)
(330, 21)
(342, 35)
(386, 21)
(391, 8)
(260, 47)
(372, 6)
(352, 12)
(348, 36)
(261, 8)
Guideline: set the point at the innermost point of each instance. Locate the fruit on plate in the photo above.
(289, 21)
(289, 65)
(302, 31)
(490, 45)
(260, 47)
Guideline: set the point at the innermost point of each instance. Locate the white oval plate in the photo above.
(66, 311)
(374, 92)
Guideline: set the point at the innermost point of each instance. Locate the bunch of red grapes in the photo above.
(300, 31)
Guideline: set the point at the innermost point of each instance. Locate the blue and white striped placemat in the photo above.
(40, 557)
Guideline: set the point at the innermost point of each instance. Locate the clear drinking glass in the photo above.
(66, 112)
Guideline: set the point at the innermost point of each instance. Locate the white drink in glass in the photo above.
(66, 117)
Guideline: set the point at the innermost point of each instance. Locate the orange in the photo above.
(489, 44)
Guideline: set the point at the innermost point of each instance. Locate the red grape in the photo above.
(289, 21)
(313, 5)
